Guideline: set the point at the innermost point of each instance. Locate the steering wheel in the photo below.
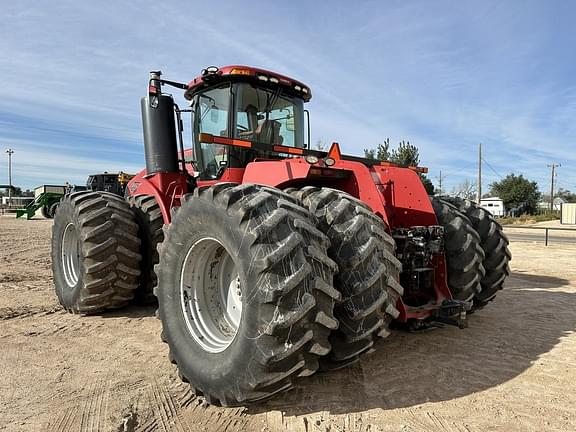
(242, 128)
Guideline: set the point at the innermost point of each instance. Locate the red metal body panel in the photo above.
(226, 70)
(282, 174)
(233, 175)
(407, 199)
(167, 188)
(295, 172)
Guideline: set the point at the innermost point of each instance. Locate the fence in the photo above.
(547, 237)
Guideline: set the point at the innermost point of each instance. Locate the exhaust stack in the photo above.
(159, 128)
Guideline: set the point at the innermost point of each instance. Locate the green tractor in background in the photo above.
(47, 197)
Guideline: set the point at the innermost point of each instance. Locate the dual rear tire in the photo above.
(477, 254)
(244, 292)
(491, 239)
(95, 258)
(274, 256)
(368, 272)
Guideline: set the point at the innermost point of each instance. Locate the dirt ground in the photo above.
(513, 369)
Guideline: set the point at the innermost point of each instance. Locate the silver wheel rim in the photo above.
(71, 255)
(210, 295)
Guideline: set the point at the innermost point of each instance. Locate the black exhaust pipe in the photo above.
(158, 124)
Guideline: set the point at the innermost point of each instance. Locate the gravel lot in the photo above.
(513, 369)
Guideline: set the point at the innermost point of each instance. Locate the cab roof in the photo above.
(213, 75)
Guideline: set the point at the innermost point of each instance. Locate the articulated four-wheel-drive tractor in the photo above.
(269, 260)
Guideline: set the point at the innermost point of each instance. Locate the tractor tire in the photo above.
(464, 254)
(52, 209)
(368, 277)
(95, 258)
(45, 212)
(495, 246)
(150, 223)
(244, 292)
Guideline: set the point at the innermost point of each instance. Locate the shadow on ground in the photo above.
(132, 311)
(549, 281)
(528, 318)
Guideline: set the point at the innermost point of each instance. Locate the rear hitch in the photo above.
(452, 312)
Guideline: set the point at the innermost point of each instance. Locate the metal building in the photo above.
(568, 214)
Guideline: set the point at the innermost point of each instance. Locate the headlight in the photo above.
(311, 159)
(210, 70)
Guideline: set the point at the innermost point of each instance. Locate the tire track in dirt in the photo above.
(90, 416)
(167, 412)
(65, 422)
(7, 313)
(176, 408)
(430, 421)
(215, 419)
(91, 413)
(60, 323)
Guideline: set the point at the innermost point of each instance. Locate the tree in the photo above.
(466, 190)
(381, 152)
(405, 155)
(320, 145)
(566, 194)
(517, 193)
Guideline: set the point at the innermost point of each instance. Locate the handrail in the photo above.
(544, 228)
(540, 228)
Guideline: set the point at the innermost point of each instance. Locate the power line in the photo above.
(458, 171)
(479, 184)
(493, 170)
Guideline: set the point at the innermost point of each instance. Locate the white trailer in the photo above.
(17, 201)
(568, 214)
(494, 205)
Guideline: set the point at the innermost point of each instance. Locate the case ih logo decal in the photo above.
(134, 187)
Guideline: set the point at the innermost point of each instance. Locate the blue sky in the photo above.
(445, 75)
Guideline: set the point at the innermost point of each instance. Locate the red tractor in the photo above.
(269, 260)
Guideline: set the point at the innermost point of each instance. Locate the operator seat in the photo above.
(269, 132)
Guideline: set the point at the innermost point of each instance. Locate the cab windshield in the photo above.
(246, 112)
(269, 117)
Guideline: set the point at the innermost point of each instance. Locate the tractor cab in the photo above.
(246, 105)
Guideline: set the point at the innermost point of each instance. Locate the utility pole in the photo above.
(10, 153)
(440, 182)
(479, 191)
(553, 166)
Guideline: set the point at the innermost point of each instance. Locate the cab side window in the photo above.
(211, 117)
